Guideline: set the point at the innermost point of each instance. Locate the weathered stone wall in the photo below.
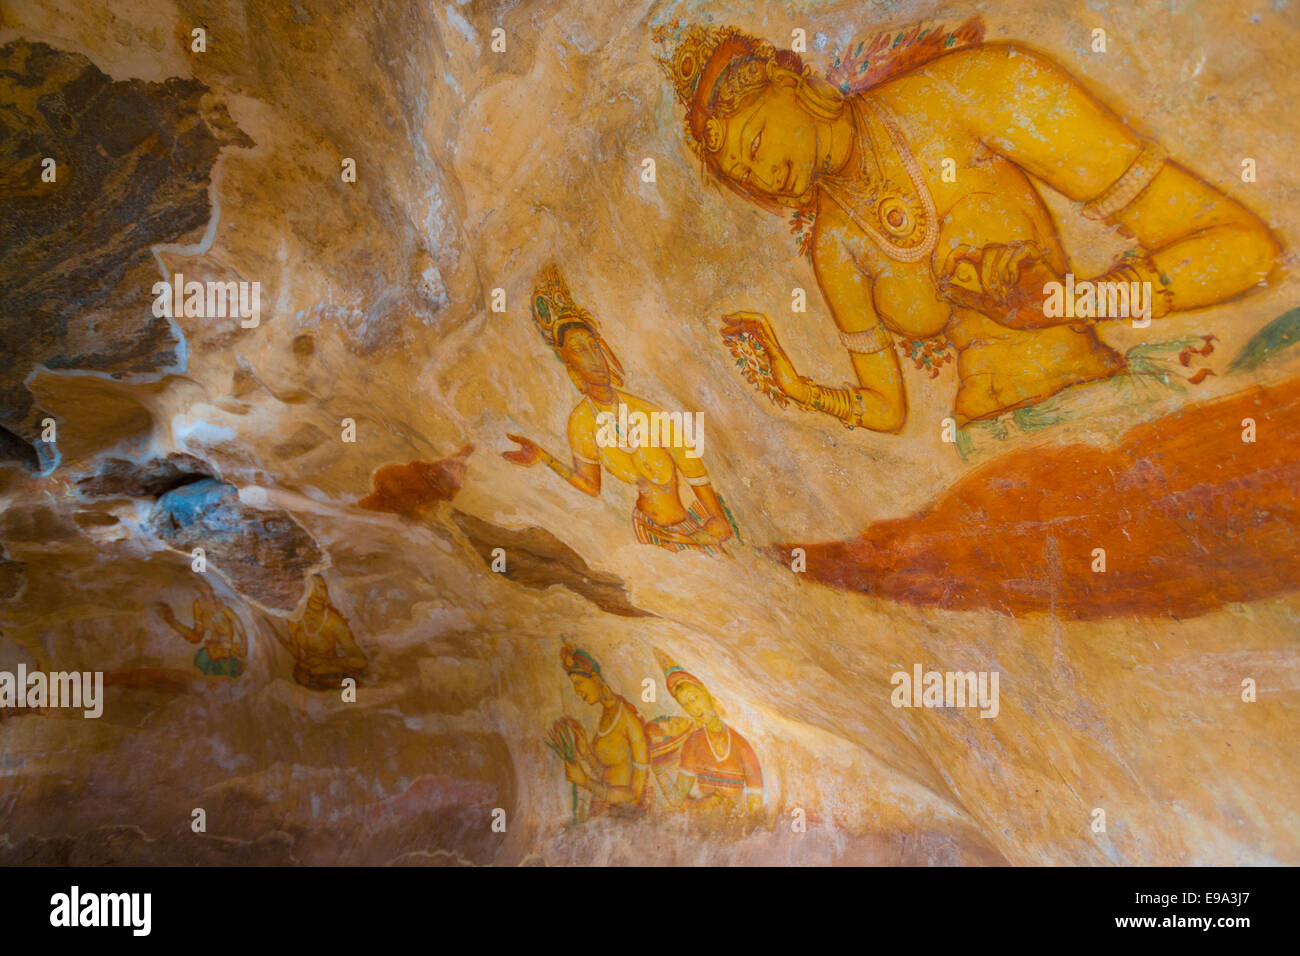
(474, 169)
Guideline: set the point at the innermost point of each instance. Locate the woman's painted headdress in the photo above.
(554, 311)
(714, 69)
(578, 661)
(705, 84)
(674, 674)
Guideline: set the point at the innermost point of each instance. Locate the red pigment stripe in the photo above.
(1191, 518)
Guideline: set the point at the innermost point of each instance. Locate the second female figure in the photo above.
(659, 516)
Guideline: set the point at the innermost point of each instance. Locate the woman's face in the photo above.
(582, 353)
(695, 701)
(586, 687)
(770, 144)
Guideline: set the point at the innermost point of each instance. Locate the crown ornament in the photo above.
(674, 674)
(578, 661)
(713, 69)
(554, 308)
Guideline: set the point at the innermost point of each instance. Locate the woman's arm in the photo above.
(1204, 247)
(192, 634)
(1198, 245)
(697, 476)
(879, 401)
(639, 751)
(583, 474)
(880, 404)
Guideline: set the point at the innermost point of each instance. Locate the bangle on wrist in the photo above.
(1136, 265)
(839, 403)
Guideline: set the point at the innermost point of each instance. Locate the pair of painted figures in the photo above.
(629, 766)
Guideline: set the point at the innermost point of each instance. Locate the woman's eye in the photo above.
(753, 147)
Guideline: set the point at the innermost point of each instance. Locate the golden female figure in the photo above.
(717, 769)
(612, 767)
(659, 516)
(897, 250)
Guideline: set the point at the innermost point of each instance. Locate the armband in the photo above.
(868, 341)
(1125, 190)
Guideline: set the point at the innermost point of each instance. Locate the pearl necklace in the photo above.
(717, 756)
(614, 723)
(891, 205)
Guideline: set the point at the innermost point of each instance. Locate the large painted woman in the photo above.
(900, 249)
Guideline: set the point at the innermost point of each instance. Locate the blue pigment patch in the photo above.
(192, 503)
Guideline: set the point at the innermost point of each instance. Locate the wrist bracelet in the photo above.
(1136, 265)
(836, 402)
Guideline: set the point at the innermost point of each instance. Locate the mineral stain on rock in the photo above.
(1191, 518)
(11, 576)
(266, 555)
(133, 163)
(538, 559)
(410, 489)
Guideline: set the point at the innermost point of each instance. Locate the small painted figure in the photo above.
(598, 439)
(609, 770)
(217, 629)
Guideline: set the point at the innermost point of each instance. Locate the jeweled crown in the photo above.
(700, 68)
(674, 674)
(578, 661)
(554, 308)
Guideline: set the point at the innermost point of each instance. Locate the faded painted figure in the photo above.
(323, 648)
(608, 771)
(223, 643)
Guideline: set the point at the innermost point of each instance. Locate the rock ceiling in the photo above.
(308, 511)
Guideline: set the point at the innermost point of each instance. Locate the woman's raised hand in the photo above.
(762, 335)
(528, 452)
(1002, 280)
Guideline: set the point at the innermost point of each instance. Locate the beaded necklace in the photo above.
(890, 216)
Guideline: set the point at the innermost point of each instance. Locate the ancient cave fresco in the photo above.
(917, 399)
(699, 763)
(613, 432)
(216, 628)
